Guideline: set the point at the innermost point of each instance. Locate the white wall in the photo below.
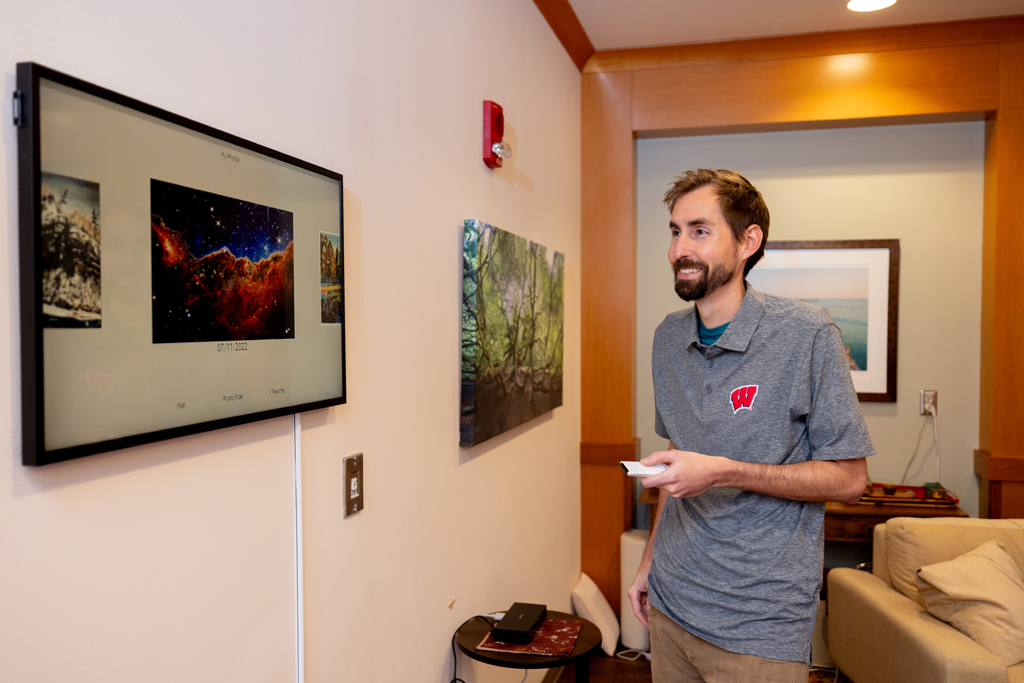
(173, 562)
(921, 184)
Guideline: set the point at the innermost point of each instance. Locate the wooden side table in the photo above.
(856, 523)
(472, 633)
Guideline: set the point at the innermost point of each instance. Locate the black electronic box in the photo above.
(520, 622)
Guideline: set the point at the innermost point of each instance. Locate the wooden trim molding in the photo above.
(995, 468)
(608, 255)
(606, 499)
(568, 29)
(817, 89)
(1006, 145)
(608, 324)
(608, 453)
(919, 36)
(1000, 485)
(861, 122)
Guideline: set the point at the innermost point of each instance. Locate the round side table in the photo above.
(473, 631)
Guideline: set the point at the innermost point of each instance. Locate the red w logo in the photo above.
(743, 397)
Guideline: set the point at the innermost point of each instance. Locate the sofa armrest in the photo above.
(878, 635)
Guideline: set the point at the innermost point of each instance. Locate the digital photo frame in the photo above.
(174, 278)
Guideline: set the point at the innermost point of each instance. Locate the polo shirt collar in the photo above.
(741, 327)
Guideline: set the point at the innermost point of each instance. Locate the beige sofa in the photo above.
(877, 634)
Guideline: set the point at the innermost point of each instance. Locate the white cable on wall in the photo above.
(300, 638)
(933, 411)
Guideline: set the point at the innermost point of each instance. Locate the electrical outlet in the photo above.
(353, 484)
(929, 397)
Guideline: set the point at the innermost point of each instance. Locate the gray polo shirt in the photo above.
(737, 568)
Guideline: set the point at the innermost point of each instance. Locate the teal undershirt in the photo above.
(709, 336)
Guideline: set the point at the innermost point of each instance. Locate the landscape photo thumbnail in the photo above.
(223, 268)
(70, 241)
(331, 274)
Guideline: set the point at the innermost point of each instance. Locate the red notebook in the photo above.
(554, 638)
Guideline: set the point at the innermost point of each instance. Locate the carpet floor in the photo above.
(604, 669)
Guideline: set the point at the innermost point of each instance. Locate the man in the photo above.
(755, 396)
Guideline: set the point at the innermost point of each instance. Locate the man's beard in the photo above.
(708, 282)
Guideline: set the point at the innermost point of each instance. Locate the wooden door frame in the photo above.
(972, 70)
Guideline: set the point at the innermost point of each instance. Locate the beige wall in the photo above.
(174, 562)
(921, 184)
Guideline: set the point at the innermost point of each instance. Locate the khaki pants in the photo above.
(678, 656)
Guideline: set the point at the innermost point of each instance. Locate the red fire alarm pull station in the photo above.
(494, 130)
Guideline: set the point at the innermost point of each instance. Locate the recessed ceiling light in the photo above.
(869, 5)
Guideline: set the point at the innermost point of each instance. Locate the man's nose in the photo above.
(680, 248)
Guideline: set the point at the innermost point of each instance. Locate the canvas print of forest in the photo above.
(512, 326)
(71, 252)
(223, 268)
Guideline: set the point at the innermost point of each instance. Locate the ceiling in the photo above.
(614, 24)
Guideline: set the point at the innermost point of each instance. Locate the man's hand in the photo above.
(688, 474)
(638, 592)
(691, 474)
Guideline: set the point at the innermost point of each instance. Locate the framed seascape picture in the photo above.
(512, 327)
(858, 282)
(174, 278)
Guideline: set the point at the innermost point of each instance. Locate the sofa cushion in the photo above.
(912, 543)
(589, 602)
(981, 593)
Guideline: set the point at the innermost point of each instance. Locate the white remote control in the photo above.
(635, 469)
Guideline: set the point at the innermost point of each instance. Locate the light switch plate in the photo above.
(353, 484)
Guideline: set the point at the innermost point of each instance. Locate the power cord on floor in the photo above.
(633, 655)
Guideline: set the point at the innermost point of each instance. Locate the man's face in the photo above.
(704, 254)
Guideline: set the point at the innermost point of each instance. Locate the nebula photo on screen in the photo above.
(223, 268)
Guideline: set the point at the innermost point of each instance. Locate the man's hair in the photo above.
(741, 203)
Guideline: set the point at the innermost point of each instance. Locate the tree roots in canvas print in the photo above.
(512, 326)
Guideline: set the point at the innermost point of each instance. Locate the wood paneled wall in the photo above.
(999, 463)
(608, 326)
(912, 74)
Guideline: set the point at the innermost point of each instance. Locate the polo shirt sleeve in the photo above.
(835, 425)
(659, 424)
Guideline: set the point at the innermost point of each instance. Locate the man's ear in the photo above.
(752, 240)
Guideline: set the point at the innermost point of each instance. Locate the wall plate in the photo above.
(929, 399)
(353, 484)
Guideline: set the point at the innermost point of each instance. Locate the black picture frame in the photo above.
(45, 440)
(851, 252)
